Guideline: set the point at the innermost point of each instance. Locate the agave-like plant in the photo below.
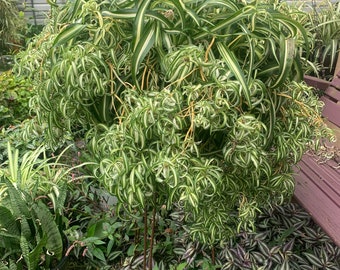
(195, 102)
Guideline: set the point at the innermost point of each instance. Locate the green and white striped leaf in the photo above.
(121, 14)
(71, 31)
(143, 47)
(139, 22)
(287, 53)
(235, 68)
(233, 18)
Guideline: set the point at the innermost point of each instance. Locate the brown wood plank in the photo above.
(331, 110)
(335, 82)
(324, 177)
(316, 82)
(333, 93)
(329, 166)
(321, 184)
(319, 205)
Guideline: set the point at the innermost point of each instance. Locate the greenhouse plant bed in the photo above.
(317, 182)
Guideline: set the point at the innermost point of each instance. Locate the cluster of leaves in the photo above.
(97, 236)
(15, 93)
(28, 231)
(285, 237)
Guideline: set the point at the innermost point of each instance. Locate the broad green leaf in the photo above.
(54, 243)
(98, 253)
(35, 254)
(9, 231)
(24, 246)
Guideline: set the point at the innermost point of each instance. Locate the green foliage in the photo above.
(198, 103)
(28, 229)
(284, 235)
(325, 25)
(16, 136)
(15, 93)
(30, 232)
(286, 238)
(322, 21)
(12, 22)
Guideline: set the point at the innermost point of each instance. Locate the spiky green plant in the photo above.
(32, 196)
(196, 102)
(322, 22)
(27, 228)
(325, 25)
(12, 22)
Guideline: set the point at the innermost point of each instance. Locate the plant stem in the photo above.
(152, 236)
(145, 236)
(213, 255)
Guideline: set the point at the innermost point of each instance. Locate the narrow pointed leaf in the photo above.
(70, 32)
(143, 47)
(313, 259)
(234, 66)
(121, 14)
(235, 17)
(287, 51)
(140, 21)
(294, 27)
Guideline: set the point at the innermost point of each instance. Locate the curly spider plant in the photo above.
(195, 102)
